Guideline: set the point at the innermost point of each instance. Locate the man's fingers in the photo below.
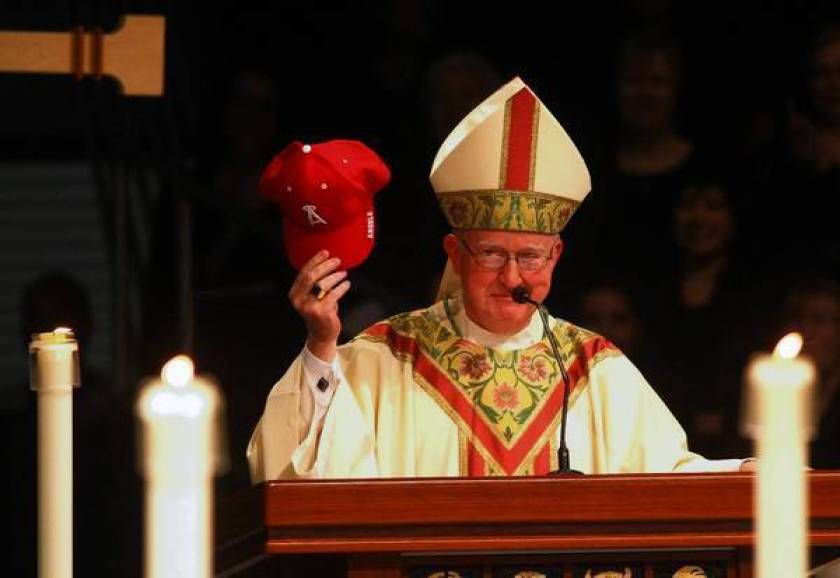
(316, 260)
(314, 294)
(311, 274)
(316, 275)
(305, 271)
(338, 292)
(323, 269)
(302, 282)
(327, 283)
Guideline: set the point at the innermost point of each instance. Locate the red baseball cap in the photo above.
(325, 193)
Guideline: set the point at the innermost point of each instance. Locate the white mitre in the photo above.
(508, 166)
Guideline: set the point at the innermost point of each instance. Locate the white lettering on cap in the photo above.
(313, 217)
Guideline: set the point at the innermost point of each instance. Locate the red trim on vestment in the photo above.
(542, 462)
(509, 459)
(476, 466)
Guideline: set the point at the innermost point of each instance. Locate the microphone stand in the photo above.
(521, 295)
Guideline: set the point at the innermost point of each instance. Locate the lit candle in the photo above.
(178, 415)
(780, 388)
(54, 372)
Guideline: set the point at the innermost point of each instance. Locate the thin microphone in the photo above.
(520, 295)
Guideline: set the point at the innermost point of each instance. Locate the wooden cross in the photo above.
(132, 54)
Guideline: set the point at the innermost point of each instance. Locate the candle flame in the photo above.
(789, 346)
(178, 371)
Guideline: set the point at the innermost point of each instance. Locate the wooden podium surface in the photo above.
(386, 526)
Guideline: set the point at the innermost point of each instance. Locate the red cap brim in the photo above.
(352, 243)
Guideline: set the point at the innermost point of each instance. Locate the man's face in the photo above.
(487, 293)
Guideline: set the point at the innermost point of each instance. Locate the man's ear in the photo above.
(558, 250)
(452, 248)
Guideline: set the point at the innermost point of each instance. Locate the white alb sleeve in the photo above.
(321, 378)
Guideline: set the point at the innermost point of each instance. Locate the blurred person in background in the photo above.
(652, 159)
(813, 309)
(815, 132)
(706, 314)
(813, 169)
(608, 308)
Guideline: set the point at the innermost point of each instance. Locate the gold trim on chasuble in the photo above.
(506, 404)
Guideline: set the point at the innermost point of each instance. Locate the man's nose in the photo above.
(510, 274)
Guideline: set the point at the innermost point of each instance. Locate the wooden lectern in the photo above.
(611, 525)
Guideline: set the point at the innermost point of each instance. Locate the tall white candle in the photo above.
(781, 386)
(178, 416)
(54, 369)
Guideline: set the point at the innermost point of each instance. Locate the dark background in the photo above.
(366, 70)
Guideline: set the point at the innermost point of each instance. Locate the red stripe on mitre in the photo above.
(519, 140)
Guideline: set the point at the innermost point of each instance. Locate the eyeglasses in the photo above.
(494, 259)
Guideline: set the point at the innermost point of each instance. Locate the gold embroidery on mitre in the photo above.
(503, 164)
(507, 210)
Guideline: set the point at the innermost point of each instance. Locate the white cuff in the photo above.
(321, 377)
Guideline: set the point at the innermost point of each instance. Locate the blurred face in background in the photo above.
(457, 83)
(824, 81)
(819, 322)
(703, 222)
(250, 116)
(608, 311)
(647, 90)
